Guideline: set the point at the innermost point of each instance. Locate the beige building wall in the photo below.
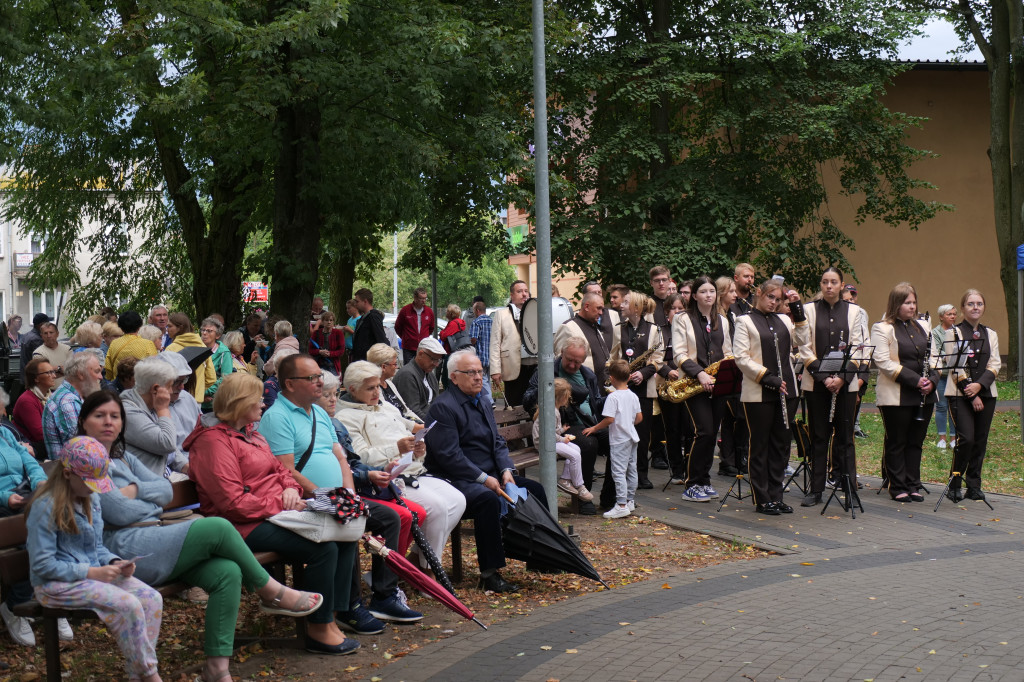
(955, 250)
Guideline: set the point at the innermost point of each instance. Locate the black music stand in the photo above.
(837, 363)
(957, 352)
(803, 449)
(741, 478)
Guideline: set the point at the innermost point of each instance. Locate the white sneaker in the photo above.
(941, 445)
(619, 511)
(64, 630)
(18, 627)
(789, 471)
(631, 505)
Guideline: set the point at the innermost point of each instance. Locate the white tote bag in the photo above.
(320, 527)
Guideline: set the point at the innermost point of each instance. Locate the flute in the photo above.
(835, 396)
(782, 396)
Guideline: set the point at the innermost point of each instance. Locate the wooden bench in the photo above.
(516, 427)
(14, 568)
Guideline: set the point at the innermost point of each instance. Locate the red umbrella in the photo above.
(403, 568)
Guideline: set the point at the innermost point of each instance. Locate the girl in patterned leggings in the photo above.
(70, 567)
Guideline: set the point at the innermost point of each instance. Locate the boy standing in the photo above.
(621, 415)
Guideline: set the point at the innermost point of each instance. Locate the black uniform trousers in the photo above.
(643, 430)
(971, 437)
(674, 416)
(735, 436)
(484, 506)
(902, 447)
(515, 388)
(705, 411)
(769, 449)
(831, 442)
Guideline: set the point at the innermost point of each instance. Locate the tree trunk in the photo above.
(297, 217)
(661, 212)
(343, 276)
(1007, 154)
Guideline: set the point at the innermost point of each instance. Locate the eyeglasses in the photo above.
(51, 372)
(311, 378)
(470, 372)
(178, 383)
(207, 330)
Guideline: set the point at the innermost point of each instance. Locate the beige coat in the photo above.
(571, 329)
(887, 360)
(657, 358)
(993, 365)
(746, 346)
(856, 323)
(506, 346)
(684, 340)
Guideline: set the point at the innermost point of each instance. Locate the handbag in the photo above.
(320, 527)
(460, 339)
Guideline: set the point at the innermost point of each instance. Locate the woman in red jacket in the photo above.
(455, 325)
(327, 343)
(239, 479)
(40, 376)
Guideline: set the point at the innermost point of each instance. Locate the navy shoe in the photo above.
(360, 621)
(349, 646)
(394, 609)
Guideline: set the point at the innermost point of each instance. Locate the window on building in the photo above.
(38, 245)
(44, 302)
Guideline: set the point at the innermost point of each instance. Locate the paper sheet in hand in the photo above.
(832, 363)
(135, 559)
(422, 433)
(403, 464)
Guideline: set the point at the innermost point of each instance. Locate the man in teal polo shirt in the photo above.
(288, 427)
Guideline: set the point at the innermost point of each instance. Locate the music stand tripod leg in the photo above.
(738, 484)
(955, 475)
(802, 466)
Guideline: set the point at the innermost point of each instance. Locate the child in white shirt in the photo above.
(621, 415)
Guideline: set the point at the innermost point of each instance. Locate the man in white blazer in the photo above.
(510, 363)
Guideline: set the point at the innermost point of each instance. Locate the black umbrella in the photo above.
(421, 541)
(531, 534)
(195, 356)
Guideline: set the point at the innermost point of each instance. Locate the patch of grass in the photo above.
(1003, 470)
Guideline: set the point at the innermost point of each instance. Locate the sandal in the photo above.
(274, 607)
(902, 497)
(917, 497)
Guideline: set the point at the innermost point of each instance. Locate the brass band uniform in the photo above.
(905, 391)
(761, 346)
(643, 348)
(971, 392)
(700, 338)
(833, 324)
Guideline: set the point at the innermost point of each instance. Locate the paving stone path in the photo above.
(899, 593)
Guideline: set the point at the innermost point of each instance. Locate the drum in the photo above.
(561, 311)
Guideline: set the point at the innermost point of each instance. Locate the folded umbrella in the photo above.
(404, 569)
(531, 534)
(195, 356)
(421, 541)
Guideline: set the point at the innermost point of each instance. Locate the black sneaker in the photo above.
(659, 463)
(974, 494)
(859, 433)
(587, 509)
(360, 621)
(955, 494)
(727, 470)
(644, 483)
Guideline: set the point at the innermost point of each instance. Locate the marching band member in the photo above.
(905, 390)
(732, 452)
(971, 392)
(700, 338)
(833, 324)
(641, 334)
(673, 414)
(761, 346)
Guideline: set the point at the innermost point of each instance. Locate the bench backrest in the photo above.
(13, 555)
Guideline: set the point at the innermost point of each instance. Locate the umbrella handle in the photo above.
(507, 498)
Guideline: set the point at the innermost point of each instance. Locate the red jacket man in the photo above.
(415, 322)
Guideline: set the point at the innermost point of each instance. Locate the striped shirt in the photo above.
(60, 418)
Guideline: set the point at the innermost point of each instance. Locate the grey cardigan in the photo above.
(409, 384)
(163, 542)
(151, 438)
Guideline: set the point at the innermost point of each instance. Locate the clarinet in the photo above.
(926, 373)
(782, 396)
(835, 396)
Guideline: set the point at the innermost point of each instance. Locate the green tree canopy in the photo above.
(697, 134)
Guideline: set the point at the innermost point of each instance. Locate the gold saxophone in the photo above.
(686, 387)
(637, 362)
